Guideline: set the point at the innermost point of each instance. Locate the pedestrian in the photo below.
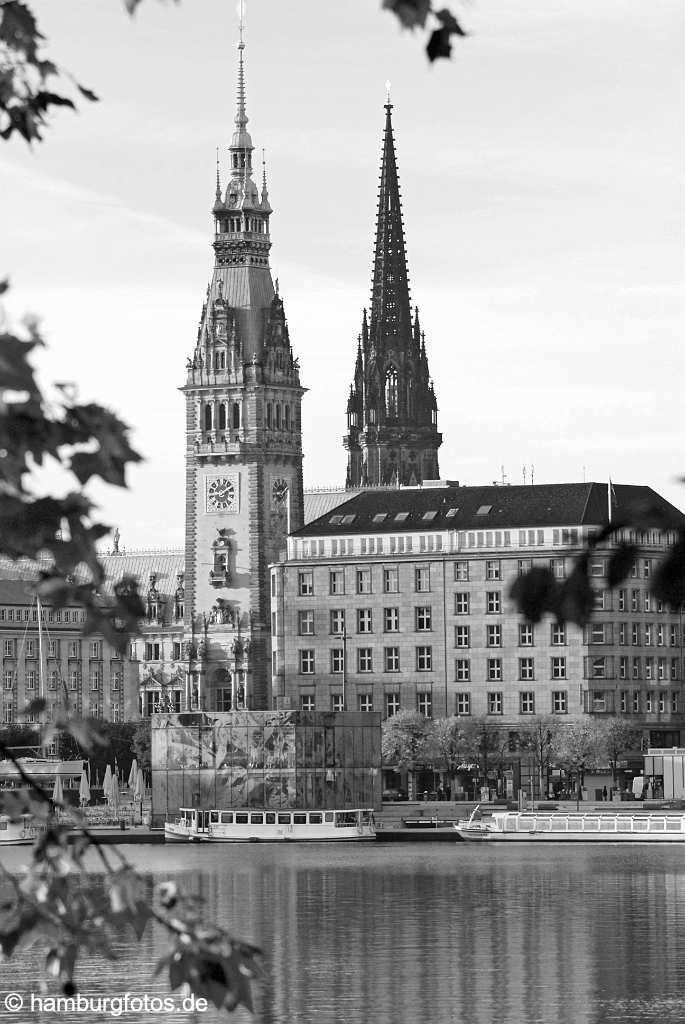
(441, 792)
(605, 794)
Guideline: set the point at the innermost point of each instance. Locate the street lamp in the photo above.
(344, 678)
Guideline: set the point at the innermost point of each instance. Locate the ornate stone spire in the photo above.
(391, 412)
(390, 310)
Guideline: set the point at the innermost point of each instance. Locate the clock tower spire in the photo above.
(243, 445)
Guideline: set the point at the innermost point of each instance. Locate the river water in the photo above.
(439, 933)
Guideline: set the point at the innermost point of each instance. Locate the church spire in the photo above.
(392, 433)
(390, 308)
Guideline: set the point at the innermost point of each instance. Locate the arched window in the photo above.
(287, 417)
(222, 416)
(236, 416)
(391, 392)
(268, 414)
(278, 416)
(208, 417)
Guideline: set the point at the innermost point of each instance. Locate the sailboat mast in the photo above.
(40, 648)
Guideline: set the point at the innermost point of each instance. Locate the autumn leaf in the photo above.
(410, 13)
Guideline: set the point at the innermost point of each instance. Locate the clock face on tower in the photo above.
(221, 494)
(279, 493)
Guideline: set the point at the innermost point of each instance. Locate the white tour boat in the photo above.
(262, 826)
(19, 832)
(575, 827)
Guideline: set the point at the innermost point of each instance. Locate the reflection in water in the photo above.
(442, 933)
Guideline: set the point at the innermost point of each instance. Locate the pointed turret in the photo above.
(392, 433)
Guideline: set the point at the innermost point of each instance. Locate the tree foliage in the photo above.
(440, 24)
(579, 746)
(59, 536)
(404, 738)
(32, 85)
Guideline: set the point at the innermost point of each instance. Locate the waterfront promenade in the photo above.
(402, 821)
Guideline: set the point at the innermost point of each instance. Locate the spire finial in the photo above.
(241, 116)
(388, 102)
(218, 181)
(241, 22)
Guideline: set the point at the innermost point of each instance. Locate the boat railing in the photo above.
(589, 822)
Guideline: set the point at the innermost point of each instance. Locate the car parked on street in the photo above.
(394, 794)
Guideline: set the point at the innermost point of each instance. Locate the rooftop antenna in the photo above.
(532, 475)
(524, 476)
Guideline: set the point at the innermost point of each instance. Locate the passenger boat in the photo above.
(575, 827)
(262, 826)
(19, 832)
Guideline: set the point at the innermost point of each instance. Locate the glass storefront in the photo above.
(274, 759)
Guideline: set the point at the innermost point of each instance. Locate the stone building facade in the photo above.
(399, 600)
(45, 655)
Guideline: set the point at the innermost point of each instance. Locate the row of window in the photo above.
(55, 680)
(634, 634)
(30, 614)
(30, 648)
(94, 710)
(649, 702)
(424, 703)
(363, 581)
(391, 660)
(601, 667)
(154, 651)
(463, 568)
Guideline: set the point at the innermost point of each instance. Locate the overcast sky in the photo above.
(542, 173)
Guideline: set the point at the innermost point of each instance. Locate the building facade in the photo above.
(243, 445)
(45, 655)
(392, 415)
(399, 600)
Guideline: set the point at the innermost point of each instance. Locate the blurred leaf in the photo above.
(439, 44)
(620, 563)
(668, 582)
(534, 593)
(410, 13)
(575, 601)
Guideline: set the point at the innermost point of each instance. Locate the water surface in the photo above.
(428, 932)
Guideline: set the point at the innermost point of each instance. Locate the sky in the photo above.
(542, 172)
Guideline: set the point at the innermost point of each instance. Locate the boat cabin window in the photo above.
(256, 819)
(214, 817)
(270, 818)
(315, 818)
(328, 816)
(345, 818)
(227, 817)
(3, 824)
(299, 819)
(241, 819)
(283, 819)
